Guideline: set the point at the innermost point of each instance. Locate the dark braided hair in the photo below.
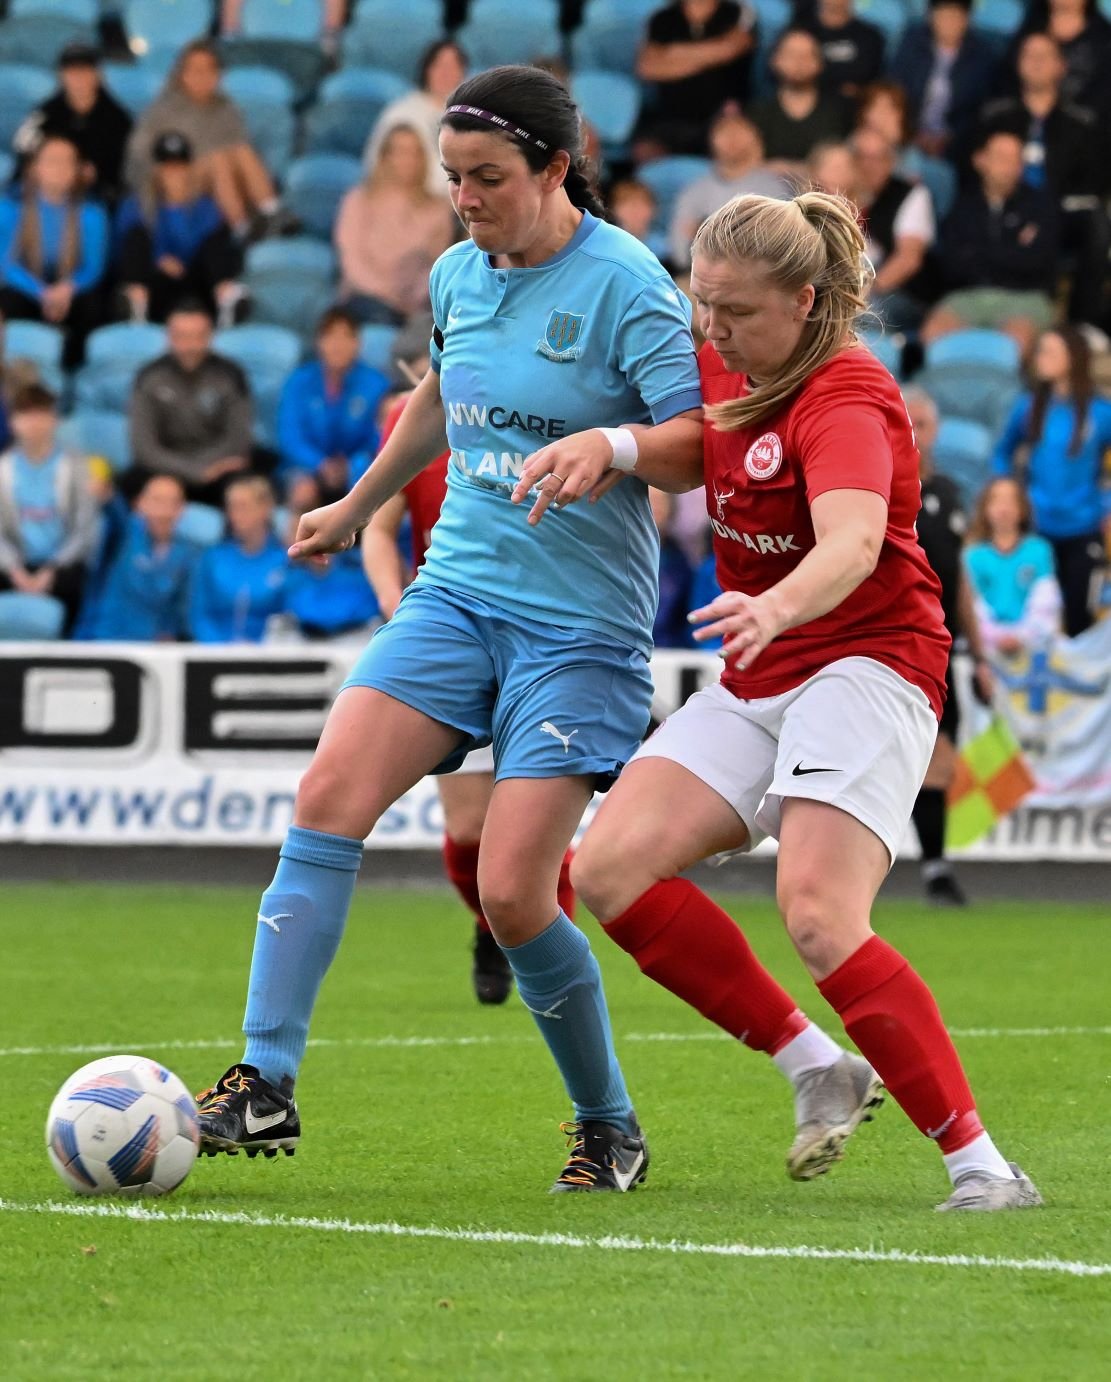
(533, 100)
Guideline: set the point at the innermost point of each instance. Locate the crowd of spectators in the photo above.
(977, 160)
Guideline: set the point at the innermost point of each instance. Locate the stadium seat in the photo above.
(85, 12)
(607, 39)
(314, 188)
(376, 39)
(7, 168)
(889, 16)
(37, 39)
(936, 175)
(348, 104)
(135, 84)
(667, 177)
(979, 393)
(113, 356)
(611, 103)
(288, 19)
(21, 87)
(502, 31)
(991, 349)
(267, 354)
(38, 342)
(265, 96)
(963, 452)
(201, 524)
(303, 63)
(163, 25)
(998, 17)
(290, 282)
(93, 432)
(30, 617)
(375, 342)
(887, 349)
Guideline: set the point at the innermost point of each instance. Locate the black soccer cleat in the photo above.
(602, 1158)
(242, 1110)
(490, 973)
(943, 890)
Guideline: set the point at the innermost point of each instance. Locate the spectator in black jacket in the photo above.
(998, 250)
(86, 114)
(1061, 153)
(1084, 36)
(798, 117)
(945, 67)
(852, 49)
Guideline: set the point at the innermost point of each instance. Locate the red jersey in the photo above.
(424, 494)
(846, 428)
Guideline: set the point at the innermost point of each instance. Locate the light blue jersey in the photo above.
(596, 336)
(1003, 580)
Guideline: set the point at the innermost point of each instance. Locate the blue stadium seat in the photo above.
(376, 39)
(135, 84)
(265, 97)
(998, 17)
(113, 356)
(93, 432)
(38, 342)
(667, 177)
(290, 282)
(375, 342)
(502, 31)
(937, 176)
(163, 25)
(21, 87)
(303, 63)
(314, 188)
(349, 103)
(7, 169)
(611, 102)
(264, 86)
(288, 19)
(30, 617)
(201, 524)
(85, 12)
(886, 348)
(608, 38)
(979, 393)
(963, 452)
(37, 39)
(267, 354)
(890, 16)
(991, 349)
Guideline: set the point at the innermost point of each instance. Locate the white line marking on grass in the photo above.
(609, 1243)
(101, 1048)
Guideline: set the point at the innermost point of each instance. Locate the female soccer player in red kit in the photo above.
(821, 728)
(464, 794)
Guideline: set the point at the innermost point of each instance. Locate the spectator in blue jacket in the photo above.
(328, 417)
(172, 241)
(241, 582)
(328, 601)
(54, 248)
(1059, 433)
(946, 69)
(145, 598)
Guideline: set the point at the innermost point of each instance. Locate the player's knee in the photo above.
(807, 910)
(610, 871)
(324, 803)
(512, 906)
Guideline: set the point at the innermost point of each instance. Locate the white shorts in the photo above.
(477, 761)
(855, 735)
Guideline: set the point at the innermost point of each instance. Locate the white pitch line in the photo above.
(609, 1243)
(101, 1048)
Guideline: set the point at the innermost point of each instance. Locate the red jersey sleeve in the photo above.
(844, 442)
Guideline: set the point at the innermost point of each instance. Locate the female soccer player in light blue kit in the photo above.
(548, 322)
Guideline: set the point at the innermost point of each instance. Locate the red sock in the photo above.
(461, 866)
(564, 891)
(691, 947)
(893, 1018)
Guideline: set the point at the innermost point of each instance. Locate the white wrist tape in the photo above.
(625, 450)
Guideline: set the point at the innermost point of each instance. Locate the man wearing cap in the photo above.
(83, 111)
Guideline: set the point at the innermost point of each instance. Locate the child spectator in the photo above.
(192, 104)
(48, 517)
(241, 581)
(632, 206)
(1058, 434)
(145, 598)
(1018, 603)
(172, 241)
(328, 417)
(54, 248)
(443, 66)
(390, 231)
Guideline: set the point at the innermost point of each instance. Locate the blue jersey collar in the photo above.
(587, 226)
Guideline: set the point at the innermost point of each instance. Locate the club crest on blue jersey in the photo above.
(563, 336)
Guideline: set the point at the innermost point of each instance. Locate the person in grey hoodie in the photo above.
(191, 104)
(48, 516)
(191, 410)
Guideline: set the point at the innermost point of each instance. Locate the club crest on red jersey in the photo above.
(764, 457)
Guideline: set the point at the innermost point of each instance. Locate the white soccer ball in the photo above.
(123, 1125)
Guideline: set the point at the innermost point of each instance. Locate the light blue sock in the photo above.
(560, 983)
(300, 923)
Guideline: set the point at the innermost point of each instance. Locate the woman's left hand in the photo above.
(748, 623)
(565, 471)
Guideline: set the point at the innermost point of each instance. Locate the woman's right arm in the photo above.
(418, 438)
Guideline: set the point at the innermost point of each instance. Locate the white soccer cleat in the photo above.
(830, 1105)
(982, 1192)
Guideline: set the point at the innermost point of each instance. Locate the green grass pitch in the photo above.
(458, 1131)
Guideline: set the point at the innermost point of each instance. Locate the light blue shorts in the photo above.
(554, 702)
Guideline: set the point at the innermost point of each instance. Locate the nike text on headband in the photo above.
(491, 119)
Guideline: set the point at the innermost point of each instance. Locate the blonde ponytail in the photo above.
(813, 238)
